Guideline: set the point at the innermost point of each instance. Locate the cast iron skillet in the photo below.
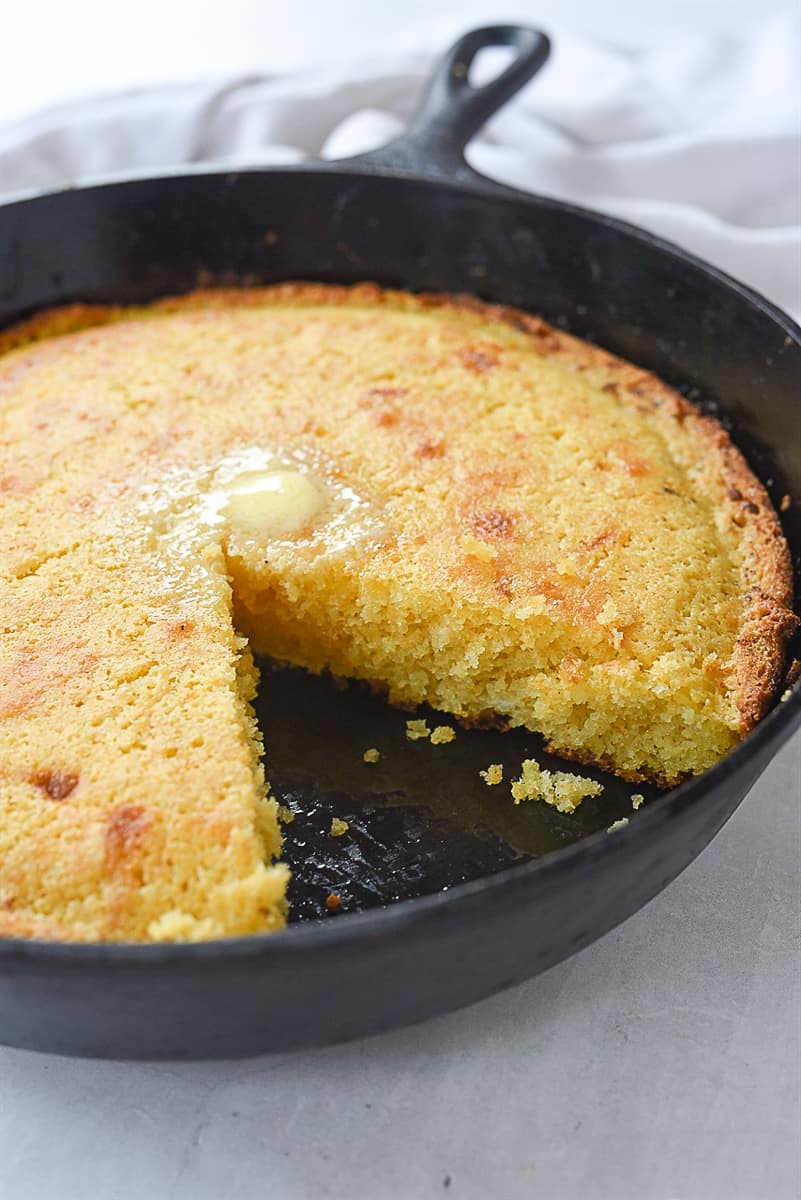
(538, 887)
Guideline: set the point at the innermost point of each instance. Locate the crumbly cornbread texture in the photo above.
(563, 790)
(448, 499)
(417, 730)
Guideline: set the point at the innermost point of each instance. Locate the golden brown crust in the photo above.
(601, 763)
(53, 322)
(769, 621)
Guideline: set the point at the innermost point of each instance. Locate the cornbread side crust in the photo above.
(447, 498)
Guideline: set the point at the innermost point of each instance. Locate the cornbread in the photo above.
(371, 756)
(441, 735)
(493, 774)
(446, 498)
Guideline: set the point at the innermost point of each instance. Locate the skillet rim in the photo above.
(362, 169)
(376, 924)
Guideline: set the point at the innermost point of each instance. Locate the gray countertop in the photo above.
(662, 1063)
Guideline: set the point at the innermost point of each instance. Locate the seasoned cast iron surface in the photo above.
(420, 819)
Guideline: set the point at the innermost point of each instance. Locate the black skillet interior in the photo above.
(421, 819)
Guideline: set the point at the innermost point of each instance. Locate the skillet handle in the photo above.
(453, 110)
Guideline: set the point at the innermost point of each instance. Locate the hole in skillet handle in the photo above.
(453, 109)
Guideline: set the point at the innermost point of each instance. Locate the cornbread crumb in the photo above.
(636, 800)
(621, 824)
(493, 774)
(416, 730)
(371, 755)
(285, 815)
(560, 789)
(338, 827)
(333, 902)
(442, 734)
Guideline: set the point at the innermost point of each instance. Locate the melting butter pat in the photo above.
(266, 505)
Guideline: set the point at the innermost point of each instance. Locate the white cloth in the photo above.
(697, 140)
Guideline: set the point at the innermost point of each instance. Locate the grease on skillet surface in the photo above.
(421, 818)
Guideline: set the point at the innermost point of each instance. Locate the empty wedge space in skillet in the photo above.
(448, 499)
